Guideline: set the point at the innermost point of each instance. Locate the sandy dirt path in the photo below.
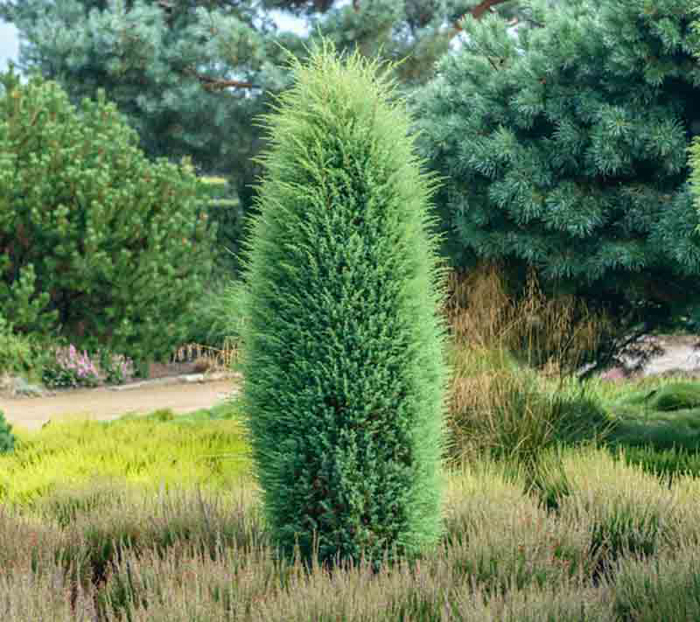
(105, 404)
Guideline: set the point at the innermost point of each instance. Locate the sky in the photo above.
(9, 45)
(9, 40)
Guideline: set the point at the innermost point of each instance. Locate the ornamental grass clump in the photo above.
(515, 391)
(343, 346)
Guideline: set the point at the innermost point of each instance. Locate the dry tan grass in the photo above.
(502, 352)
(551, 334)
(208, 358)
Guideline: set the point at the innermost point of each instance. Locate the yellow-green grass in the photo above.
(142, 451)
(154, 450)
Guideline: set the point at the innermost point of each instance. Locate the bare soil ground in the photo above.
(682, 355)
(105, 404)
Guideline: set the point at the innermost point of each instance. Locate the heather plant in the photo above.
(344, 373)
(116, 368)
(71, 368)
(137, 520)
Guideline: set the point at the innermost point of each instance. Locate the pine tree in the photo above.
(190, 76)
(97, 244)
(566, 149)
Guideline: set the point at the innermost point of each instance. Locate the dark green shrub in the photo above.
(344, 360)
(224, 209)
(7, 438)
(693, 322)
(676, 396)
(96, 242)
(15, 350)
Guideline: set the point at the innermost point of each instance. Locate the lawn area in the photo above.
(156, 518)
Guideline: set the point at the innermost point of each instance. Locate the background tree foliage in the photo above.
(695, 147)
(190, 76)
(566, 150)
(97, 244)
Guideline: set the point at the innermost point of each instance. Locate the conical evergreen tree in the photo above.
(343, 357)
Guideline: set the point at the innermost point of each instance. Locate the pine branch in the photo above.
(218, 84)
(477, 13)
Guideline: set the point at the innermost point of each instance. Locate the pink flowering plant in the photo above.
(70, 368)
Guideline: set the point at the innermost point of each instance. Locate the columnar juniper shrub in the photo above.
(343, 347)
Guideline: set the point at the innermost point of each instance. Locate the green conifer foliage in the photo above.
(191, 76)
(566, 149)
(343, 359)
(695, 147)
(97, 243)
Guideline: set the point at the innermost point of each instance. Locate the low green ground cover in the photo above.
(658, 417)
(156, 449)
(156, 518)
